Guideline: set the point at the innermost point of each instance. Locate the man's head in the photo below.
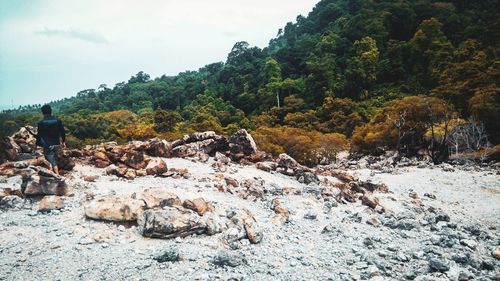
(46, 109)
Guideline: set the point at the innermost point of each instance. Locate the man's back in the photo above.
(50, 129)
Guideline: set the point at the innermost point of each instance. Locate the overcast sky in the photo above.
(50, 49)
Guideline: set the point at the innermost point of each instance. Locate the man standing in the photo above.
(50, 132)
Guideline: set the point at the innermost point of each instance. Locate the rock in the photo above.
(90, 178)
(170, 222)
(242, 142)
(170, 255)
(373, 221)
(101, 163)
(219, 157)
(11, 202)
(158, 197)
(134, 159)
(159, 148)
(266, 166)
(287, 162)
(13, 186)
(50, 202)
(114, 209)
(430, 195)
(278, 208)
(46, 183)
(496, 253)
(214, 224)
(413, 195)
(198, 205)
(440, 265)
(370, 201)
(130, 174)
(253, 234)
(226, 259)
(469, 243)
(156, 166)
(306, 177)
(310, 215)
(231, 181)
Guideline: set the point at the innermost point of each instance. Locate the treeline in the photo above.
(373, 74)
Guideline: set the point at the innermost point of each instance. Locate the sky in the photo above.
(51, 49)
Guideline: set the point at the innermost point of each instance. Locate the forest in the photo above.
(407, 75)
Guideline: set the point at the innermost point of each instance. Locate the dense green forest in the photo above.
(366, 74)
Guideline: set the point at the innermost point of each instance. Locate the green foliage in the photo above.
(345, 64)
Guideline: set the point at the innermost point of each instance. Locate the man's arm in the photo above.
(62, 132)
(38, 135)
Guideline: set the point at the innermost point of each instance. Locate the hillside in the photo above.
(345, 73)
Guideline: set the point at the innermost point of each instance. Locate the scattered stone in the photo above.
(373, 221)
(92, 178)
(253, 234)
(170, 255)
(267, 166)
(496, 253)
(50, 202)
(199, 205)
(226, 259)
(469, 243)
(441, 265)
(310, 215)
(430, 195)
(370, 201)
(413, 195)
(278, 208)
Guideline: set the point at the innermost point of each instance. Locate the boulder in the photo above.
(13, 186)
(99, 163)
(134, 159)
(114, 209)
(287, 162)
(219, 157)
(242, 142)
(130, 174)
(159, 148)
(370, 200)
(50, 202)
(279, 209)
(158, 197)
(156, 166)
(266, 166)
(199, 205)
(45, 182)
(208, 146)
(171, 222)
(253, 234)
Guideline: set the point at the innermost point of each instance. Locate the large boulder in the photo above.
(115, 208)
(171, 222)
(159, 148)
(45, 182)
(208, 146)
(195, 137)
(134, 159)
(242, 142)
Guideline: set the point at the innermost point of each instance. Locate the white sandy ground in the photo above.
(66, 246)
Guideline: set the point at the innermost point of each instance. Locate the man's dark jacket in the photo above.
(50, 129)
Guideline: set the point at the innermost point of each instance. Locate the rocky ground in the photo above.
(435, 223)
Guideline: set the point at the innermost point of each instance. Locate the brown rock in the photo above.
(231, 181)
(278, 208)
(114, 209)
(141, 173)
(101, 156)
(99, 163)
(91, 178)
(46, 183)
(50, 202)
(266, 166)
(254, 236)
(413, 195)
(156, 166)
(159, 148)
(130, 174)
(496, 253)
(370, 201)
(158, 197)
(134, 159)
(198, 205)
